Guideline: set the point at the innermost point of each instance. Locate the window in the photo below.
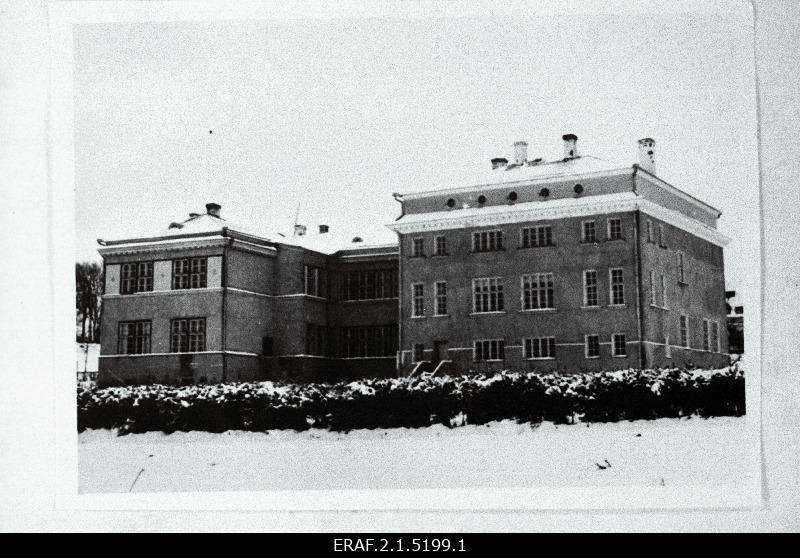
(267, 346)
(663, 291)
(592, 346)
(440, 287)
(419, 352)
(681, 267)
(706, 335)
(662, 238)
(618, 346)
(539, 348)
(417, 300)
(440, 246)
(487, 241)
(370, 341)
(188, 335)
(667, 347)
(189, 273)
(316, 340)
(590, 288)
(537, 291)
(650, 237)
(490, 349)
(133, 337)
(487, 294)
(684, 331)
(417, 247)
(371, 284)
(653, 299)
(532, 237)
(614, 229)
(315, 281)
(136, 277)
(588, 232)
(617, 286)
(714, 341)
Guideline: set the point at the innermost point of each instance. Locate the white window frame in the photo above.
(499, 343)
(583, 231)
(436, 239)
(418, 241)
(611, 286)
(650, 235)
(614, 345)
(586, 289)
(662, 236)
(549, 285)
(536, 236)
(664, 291)
(528, 343)
(714, 342)
(417, 298)
(681, 257)
(586, 345)
(499, 240)
(706, 335)
(439, 298)
(499, 296)
(608, 228)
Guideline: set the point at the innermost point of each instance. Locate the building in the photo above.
(206, 301)
(574, 264)
(735, 321)
(569, 265)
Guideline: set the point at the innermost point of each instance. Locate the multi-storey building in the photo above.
(207, 302)
(575, 264)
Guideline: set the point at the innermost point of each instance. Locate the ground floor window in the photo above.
(592, 346)
(418, 354)
(316, 340)
(188, 335)
(618, 345)
(490, 349)
(539, 347)
(369, 341)
(134, 337)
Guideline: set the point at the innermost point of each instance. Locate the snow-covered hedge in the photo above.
(415, 402)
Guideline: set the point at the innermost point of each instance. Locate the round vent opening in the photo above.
(451, 202)
(544, 192)
(481, 199)
(578, 189)
(512, 196)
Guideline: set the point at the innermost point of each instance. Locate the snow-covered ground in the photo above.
(87, 357)
(664, 452)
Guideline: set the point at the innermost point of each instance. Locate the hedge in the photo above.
(416, 402)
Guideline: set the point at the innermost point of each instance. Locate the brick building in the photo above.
(574, 264)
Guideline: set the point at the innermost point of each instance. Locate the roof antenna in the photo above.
(296, 228)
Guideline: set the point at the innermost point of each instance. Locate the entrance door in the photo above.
(439, 351)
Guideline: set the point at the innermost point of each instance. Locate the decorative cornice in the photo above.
(541, 212)
(163, 246)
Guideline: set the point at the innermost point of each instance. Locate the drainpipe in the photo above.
(638, 272)
(399, 198)
(224, 280)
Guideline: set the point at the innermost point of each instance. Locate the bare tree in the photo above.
(88, 299)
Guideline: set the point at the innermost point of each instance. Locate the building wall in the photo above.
(568, 323)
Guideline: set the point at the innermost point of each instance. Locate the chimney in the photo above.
(499, 163)
(647, 157)
(213, 209)
(299, 230)
(520, 152)
(323, 229)
(570, 146)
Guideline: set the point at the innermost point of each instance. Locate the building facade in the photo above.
(570, 265)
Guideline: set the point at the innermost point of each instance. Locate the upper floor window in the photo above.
(650, 237)
(614, 228)
(540, 235)
(588, 232)
(314, 281)
(537, 291)
(188, 335)
(539, 348)
(617, 282)
(590, 288)
(663, 291)
(662, 237)
(487, 241)
(490, 349)
(417, 300)
(417, 247)
(369, 284)
(441, 298)
(133, 338)
(681, 267)
(189, 273)
(440, 246)
(487, 295)
(653, 299)
(136, 277)
(684, 331)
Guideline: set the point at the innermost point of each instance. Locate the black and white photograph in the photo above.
(406, 256)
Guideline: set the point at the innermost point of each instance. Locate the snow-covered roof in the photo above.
(330, 242)
(561, 168)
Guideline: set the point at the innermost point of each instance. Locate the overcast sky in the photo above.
(338, 114)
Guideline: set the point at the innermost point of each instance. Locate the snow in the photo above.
(663, 452)
(87, 362)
